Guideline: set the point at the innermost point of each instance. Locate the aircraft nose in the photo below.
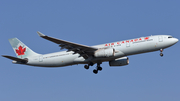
(175, 40)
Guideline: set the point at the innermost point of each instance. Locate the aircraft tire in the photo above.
(100, 68)
(91, 64)
(95, 71)
(161, 54)
(86, 66)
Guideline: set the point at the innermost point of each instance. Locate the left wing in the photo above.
(83, 50)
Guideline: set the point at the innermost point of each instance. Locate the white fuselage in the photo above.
(122, 48)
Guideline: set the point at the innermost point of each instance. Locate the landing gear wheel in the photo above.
(91, 64)
(86, 66)
(95, 71)
(99, 68)
(161, 54)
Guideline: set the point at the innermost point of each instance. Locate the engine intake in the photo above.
(119, 62)
(104, 53)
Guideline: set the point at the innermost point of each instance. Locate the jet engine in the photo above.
(119, 62)
(104, 53)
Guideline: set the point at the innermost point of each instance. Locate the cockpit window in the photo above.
(170, 37)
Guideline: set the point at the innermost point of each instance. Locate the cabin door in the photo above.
(160, 38)
(40, 58)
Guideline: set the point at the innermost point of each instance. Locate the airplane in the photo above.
(115, 52)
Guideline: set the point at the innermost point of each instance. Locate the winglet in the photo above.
(40, 34)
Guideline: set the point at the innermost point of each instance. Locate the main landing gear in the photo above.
(87, 66)
(98, 68)
(95, 71)
(161, 54)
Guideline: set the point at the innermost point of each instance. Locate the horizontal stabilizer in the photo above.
(16, 59)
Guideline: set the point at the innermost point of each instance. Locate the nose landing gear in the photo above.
(161, 54)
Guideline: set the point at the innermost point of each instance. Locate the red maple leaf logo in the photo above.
(20, 50)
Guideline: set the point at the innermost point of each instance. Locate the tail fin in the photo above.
(21, 50)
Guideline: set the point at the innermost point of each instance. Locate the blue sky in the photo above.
(148, 77)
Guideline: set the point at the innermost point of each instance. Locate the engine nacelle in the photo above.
(104, 53)
(119, 62)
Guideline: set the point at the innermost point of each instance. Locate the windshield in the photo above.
(170, 37)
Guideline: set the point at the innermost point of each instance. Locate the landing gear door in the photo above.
(160, 38)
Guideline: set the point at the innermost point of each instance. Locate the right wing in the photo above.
(83, 50)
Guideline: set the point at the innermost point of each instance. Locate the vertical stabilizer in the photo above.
(21, 50)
